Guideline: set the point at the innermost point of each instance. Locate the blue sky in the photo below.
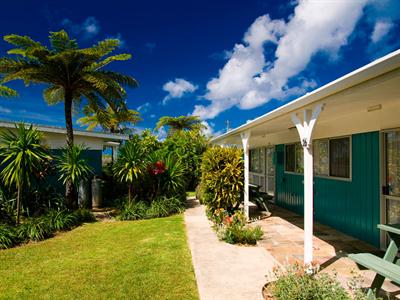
(222, 60)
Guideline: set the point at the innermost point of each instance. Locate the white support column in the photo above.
(305, 130)
(245, 141)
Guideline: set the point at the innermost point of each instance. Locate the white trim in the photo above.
(50, 129)
(245, 141)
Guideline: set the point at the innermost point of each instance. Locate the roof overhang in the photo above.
(59, 130)
(379, 67)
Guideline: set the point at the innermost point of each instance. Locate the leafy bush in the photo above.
(164, 206)
(34, 229)
(83, 216)
(60, 220)
(222, 177)
(233, 228)
(298, 282)
(8, 236)
(133, 211)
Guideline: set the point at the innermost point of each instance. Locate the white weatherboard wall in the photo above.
(56, 140)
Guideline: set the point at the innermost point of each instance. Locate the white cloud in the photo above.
(209, 130)
(144, 107)
(178, 88)
(152, 116)
(249, 80)
(381, 29)
(161, 133)
(5, 110)
(88, 28)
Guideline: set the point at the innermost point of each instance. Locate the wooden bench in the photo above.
(261, 199)
(385, 267)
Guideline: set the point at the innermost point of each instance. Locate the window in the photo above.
(339, 157)
(290, 158)
(321, 157)
(331, 157)
(257, 160)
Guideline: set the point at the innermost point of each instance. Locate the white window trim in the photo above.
(349, 179)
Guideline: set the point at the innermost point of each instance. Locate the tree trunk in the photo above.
(70, 198)
(18, 201)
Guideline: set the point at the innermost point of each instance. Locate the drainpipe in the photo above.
(305, 129)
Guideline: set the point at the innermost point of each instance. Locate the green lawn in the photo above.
(110, 260)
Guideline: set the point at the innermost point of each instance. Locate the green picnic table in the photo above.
(260, 198)
(386, 267)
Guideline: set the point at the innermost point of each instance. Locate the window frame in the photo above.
(350, 178)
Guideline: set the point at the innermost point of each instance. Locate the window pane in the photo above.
(393, 163)
(321, 157)
(262, 161)
(299, 159)
(339, 154)
(270, 161)
(290, 158)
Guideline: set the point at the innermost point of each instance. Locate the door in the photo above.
(391, 188)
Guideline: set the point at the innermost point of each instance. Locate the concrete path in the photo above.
(224, 271)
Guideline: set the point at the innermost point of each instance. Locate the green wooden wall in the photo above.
(351, 206)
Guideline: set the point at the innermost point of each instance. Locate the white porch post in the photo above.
(305, 130)
(245, 141)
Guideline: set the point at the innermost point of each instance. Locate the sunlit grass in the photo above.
(111, 260)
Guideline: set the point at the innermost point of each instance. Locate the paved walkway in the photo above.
(224, 271)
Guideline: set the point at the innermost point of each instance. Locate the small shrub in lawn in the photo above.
(298, 282)
(133, 211)
(61, 220)
(164, 206)
(8, 236)
(83, 216)
(34, 229)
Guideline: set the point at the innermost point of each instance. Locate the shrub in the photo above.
(34, 229)
(59, 220)
(84, 216)
(164, 206)
(298, 282)
(222, 177)
(133, 211)
(233, 228)
(8, 236)
(199, 193)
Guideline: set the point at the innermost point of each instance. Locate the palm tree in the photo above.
(70, 73)
(130, 165)
(73, 166)
(180, 123)
(22, 157)
(114, 120)
(7, 92)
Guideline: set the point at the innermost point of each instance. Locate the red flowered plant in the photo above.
(157, 168)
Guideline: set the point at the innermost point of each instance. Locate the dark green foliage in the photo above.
(35, 229)
(164, 207)
(296, 282)
(60, 220)
(83, 216)
(133, 211)
(189, 147)
(181, 123)
(159, 207)
(222, 177)
(8, 236)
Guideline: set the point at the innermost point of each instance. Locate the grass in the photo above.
(146, 259)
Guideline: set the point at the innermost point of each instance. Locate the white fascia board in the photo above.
(376, 68)
(102, 135)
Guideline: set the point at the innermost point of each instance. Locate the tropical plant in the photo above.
(84, 216)
(8, 236)
(222, 177)
(22, 157)
(35, 229)
(180, 123)
(130, 165)
(7, 92)
(70, 73)
(164, 206)
(131, 211)
(72, 167)
(189, 147)
(111, 119)
(60, 220)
